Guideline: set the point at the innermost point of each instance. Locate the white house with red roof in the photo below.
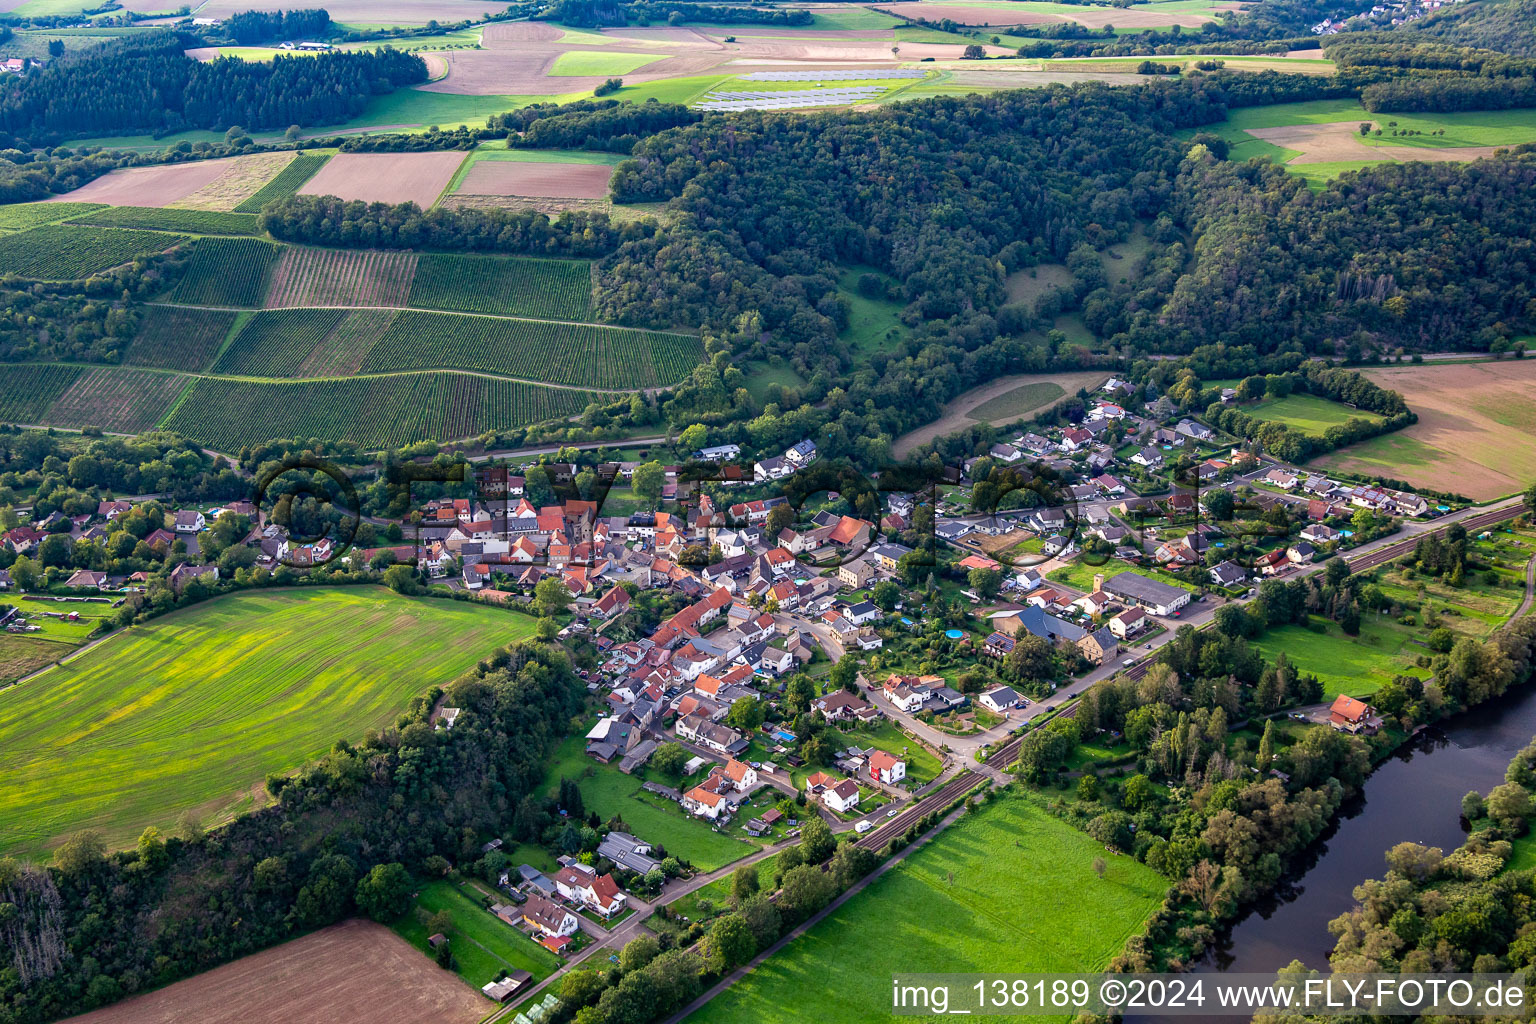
(887, 768)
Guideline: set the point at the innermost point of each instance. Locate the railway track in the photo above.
(1396, 550)
(942, 797)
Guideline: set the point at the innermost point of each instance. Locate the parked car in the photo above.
(863, 826)
(893, 812)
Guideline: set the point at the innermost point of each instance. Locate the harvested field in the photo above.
(327, 977)
(385, 177)
(335, 277)
(117, 400)
(501, 72)
(544, 181)
(242, 178)
(519, 32)
(176, 184)
(957, 412)
(1339, 142)
(1473, 434)
(553, 207)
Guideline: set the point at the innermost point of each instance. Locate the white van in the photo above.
(863, 826)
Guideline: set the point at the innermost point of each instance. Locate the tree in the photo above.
(1099, 867)
(638, 952)
(1266, 753)
(401, 579)
(732, 941)
(804, 890)
(1138, 793)
(1232, 620)
(694, 437)
(669, 759)
(648, 480)
(798, 693)
(1416, 863)
(816, 840)
(886, 594)
(384, 893)
(1219, 504)
(743, 883)
(79, 853)
(746, 714)
(1530, 498)
(974, 52)
(581, 987)
(985, 582)
(1510, 804)
(55, 47)
(546, 628)
(551, 595)
(845, 674)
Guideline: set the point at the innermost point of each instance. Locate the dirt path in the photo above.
(955, 412)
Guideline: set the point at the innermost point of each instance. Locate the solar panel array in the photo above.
(832, 74)
(788, 99)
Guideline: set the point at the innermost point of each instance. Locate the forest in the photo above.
(145, 83)
(327, 220)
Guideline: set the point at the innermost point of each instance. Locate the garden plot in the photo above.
(789, 99)
(385, 177)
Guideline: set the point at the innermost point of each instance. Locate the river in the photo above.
(1414, 796)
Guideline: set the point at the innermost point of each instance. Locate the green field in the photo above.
(1008, 888)
(483, 944)
(582, 355)
(277, 342)
(179, 339)
(226, 272)
(374, 412)
(21, 216)
(506, 285)
(288, 181)
(1307, 413)
(27, 390)
(193, 222)
(1353, 665)
(1468, 128)
(192, 710)
(1012, 405)
(116, 399)
(586, 63)
(67, 252)
(655, 819)
(761, 375)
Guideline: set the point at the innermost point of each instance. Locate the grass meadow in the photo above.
(192, 710)
(1008, 888)
(653, 818)
(483, 944)
(1307, 413)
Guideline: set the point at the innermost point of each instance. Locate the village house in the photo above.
(1347, 714)
(1157, 598)
(1128, 623)
(999, 699)
(840, 795)
(189, 521)
(887, 768)
(1099, 646)
(581, 884)
(549, 919)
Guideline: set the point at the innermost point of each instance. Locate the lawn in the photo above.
(922, 764)
(1008, 888)
(653, 818)
(761, 375)
(873, 324)
(192, 710)
(1353, 665)
(1080, 574)
(1307, 413)
(483, 944)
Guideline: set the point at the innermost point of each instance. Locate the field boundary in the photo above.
(445, 312)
